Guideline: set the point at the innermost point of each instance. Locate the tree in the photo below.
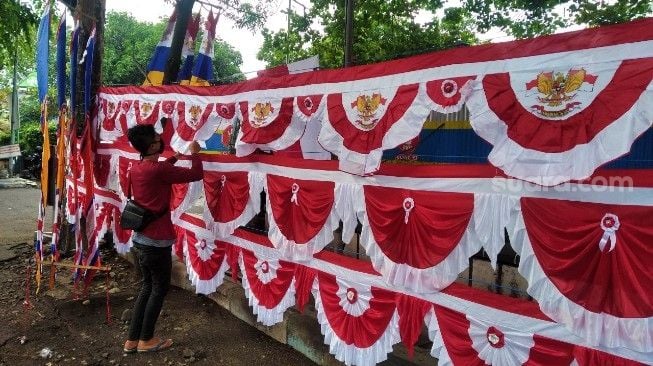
(386, 29)
(129, 45)
(383, 30)
(523, 19)
(17, 33)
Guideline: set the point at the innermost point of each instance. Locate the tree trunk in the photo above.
(184, 9)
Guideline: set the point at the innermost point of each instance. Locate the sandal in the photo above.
(130, 350)
(163, 344)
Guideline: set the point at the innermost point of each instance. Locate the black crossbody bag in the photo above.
(133, 216)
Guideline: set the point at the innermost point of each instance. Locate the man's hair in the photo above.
(141, 137)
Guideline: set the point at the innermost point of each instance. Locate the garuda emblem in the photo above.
(366, 107)
(261, 113)
(558, 91)
(146, 109)
(195, 112)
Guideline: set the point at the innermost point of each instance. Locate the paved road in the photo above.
(18, 210)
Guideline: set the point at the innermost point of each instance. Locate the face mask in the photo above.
(161, 147)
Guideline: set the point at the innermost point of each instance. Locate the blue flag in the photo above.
(42, 53)
(203, 70)
(74, 43)
(61, 62)
(87, 60)
(157, 65)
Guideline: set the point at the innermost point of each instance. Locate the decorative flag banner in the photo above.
(586, 265)
(203, 69)
(88, 59)
(362, 316)
(42, 53)
(188, 51)
(156, 67)
(370, 109)
(232, 200)
(206, 260)
(61, 62)
(269, 286)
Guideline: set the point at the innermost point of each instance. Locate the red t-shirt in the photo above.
(152, 189)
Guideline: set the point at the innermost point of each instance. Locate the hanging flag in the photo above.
(42, 53)
(87, 60)
(203, 70)
(157, 65)
(61, 103)
(61, 62)
(74, 45)
(308, 64)
(188, 52)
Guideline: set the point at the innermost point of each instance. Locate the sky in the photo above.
(246, 42)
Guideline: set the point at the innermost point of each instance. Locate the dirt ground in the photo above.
(61, 330)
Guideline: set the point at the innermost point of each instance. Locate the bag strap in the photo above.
(129, 185)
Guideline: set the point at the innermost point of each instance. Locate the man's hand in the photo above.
(194, 147)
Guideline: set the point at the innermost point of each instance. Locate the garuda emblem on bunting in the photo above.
(261, 112)
(556, 92)
(366, 107)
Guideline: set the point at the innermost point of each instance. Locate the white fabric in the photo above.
(438, 349)
(598, 329)
(465, 91)
(289, 249)
(354, 297)
(204, 286)
(516, 348)
(264, 315)
(348, 353)
(404, 129)
(549, 169)
(493, 213)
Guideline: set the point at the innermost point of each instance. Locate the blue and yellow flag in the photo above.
(203, 70)
(157, 65)
(188, 52)
(42, 53)
(61, 62)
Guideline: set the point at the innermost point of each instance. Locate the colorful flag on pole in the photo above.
(87, 60)
(61, 62)
(157, 65)
(74, 46)
(188, 52)
(42, 53)
(203, 70)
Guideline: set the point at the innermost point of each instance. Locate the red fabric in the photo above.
(591, 357)
(226, 110)
(87, 163)
(125, 106)
(270, 132)
(411, 319)
(302, 221)
(532, 132)
(309, 104)
(228, 203)
(435, 225)
(565, 236)
(178, 194)
(454, 327)
(186, 128)
(145, 118)
(269, 295)
(365, 141)
(121, 234)
(304, 277)
(152, 189)
(124, 166)
(233, 253)
(110, 113)
(102, 167)
(205, 270)
(361, 331)
(440, 90)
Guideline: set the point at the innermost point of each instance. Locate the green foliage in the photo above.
(31, 139)
(17, 32)
(523, 19)
(129, 45)
(383, 30)
(5, 138)
(386, 29)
